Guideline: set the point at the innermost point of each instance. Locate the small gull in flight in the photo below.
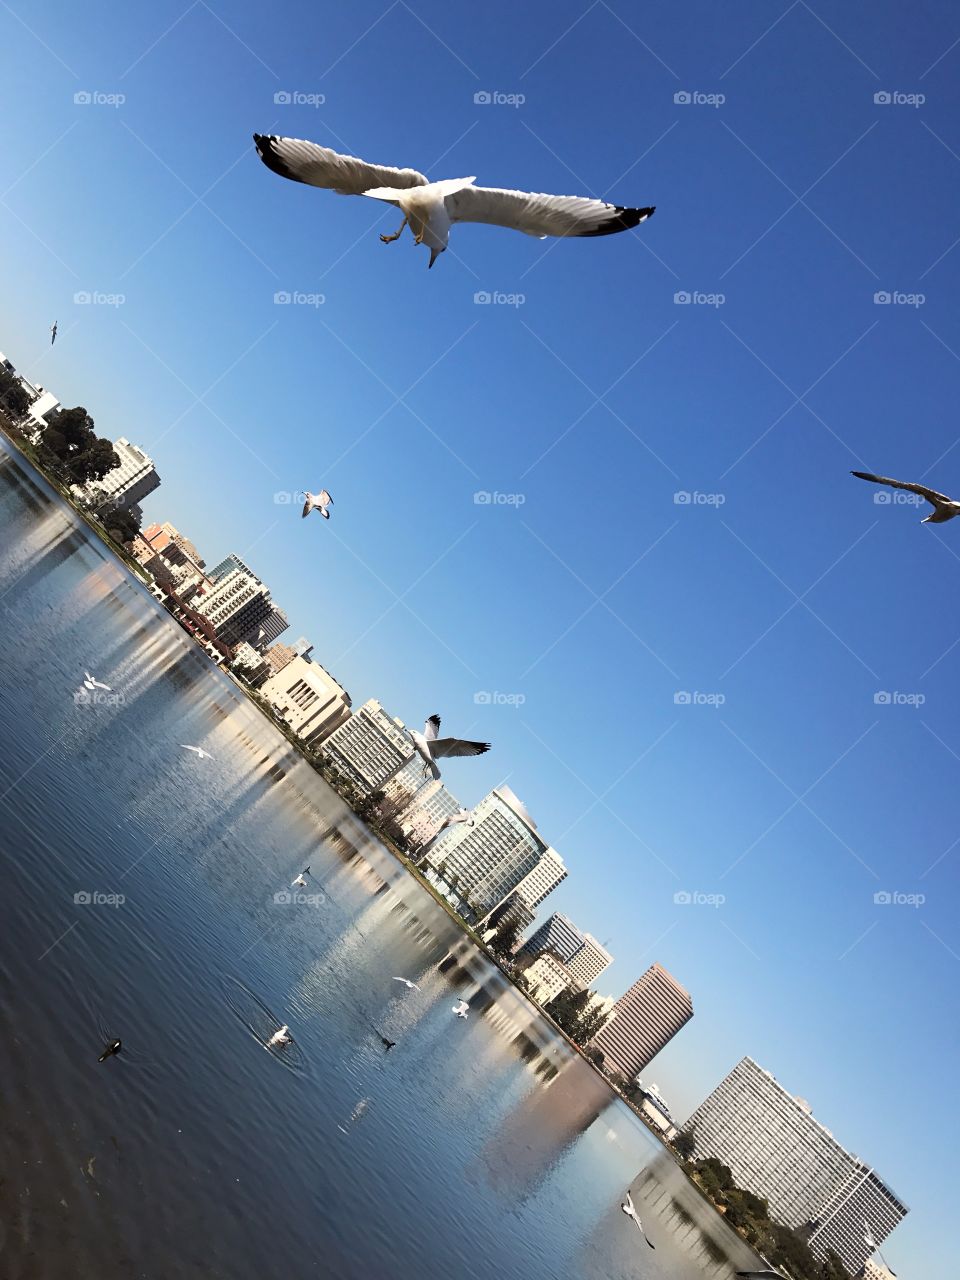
(430, 748)
(461, 1009)
(317, 502)
(430, 208)
(944, 508)
(93, 683)
(53, 333)
(629, 1209)
(407, 983)
(198, 751)
(300, 882)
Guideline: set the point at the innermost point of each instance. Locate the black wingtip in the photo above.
(266, 144)
(622, 219)
(862, 475)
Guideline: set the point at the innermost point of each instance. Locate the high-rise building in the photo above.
(230, 565)
(873, 1270)
(237, 603)
(776, 1149)
(547, 977)
(543, 879)
(270, 629)
(644, 1019)
(483, 864)
(129, 483)
(587, 964)
(370, 747)
(423, 817)
(308, 699)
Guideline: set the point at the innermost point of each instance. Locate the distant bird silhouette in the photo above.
(53, 333)
(630, 1210)
(430, 748)
(317, 502)
(407, 983)
(944, 508)
(388, 1044)
(113, 1047)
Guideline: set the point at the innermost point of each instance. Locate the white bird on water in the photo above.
(461, 1008)
(431, 208)
(317, 502)
(280, 1037)
(300, 882)
(944, 508)
(197, 751)
(93, 683)
(411, 986)
(430, 748)
(629, 1209)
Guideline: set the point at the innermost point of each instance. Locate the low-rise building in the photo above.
(308, 699)
(546, 977)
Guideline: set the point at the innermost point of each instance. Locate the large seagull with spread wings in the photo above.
(430, 208)
(430, 748)
(944, 508)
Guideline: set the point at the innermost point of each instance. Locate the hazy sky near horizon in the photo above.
(747, 697)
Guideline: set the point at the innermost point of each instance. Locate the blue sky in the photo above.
(782, 587)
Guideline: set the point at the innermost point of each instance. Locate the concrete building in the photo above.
(370, 747)
(278, 655)
(272, 627)
(230, 565)
(656, 1111)
(308, 699)
(543, 879)
(133, 480)
(237, 603)
(644, 1019)
(546, 976)
(422, 819)
(873, 1270)
(589, 962)
(777, 1149)
(514, 910)
(478, 867)
(581, 952)
(249, 665)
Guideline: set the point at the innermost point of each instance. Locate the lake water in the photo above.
(476, 1147)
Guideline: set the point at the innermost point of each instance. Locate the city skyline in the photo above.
(704, 649)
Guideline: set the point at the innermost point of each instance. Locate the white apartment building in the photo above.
(370, 748)
(128, 484)
(547, 977)
(587, 964)
(543, 879)
(235, 603)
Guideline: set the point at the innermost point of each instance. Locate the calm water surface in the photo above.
(474, 1148)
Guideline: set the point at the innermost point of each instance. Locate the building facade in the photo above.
(777, 1149)
(644, 1019)
(547, 977)
(557, 934)
(236, 604)
(543, 879)
(370, 748)
(133, 480)
(587, 964)
(308, 699)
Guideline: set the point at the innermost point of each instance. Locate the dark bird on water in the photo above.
(113, 1047)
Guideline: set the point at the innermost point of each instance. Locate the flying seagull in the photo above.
(113, 1047)
(461, 1009)
(430, 208)
(630, 1210)
(300, 882)
(317, 502)
(53, 333)
(463, 816)
(93, 683)
(280, 1037)
(944, 508)
(430, 748)
(198, 751)
(412, 986)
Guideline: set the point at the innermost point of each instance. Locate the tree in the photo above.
(833, 1268)
(121, 525)
(94, 462)
(13, 396)
(685, 1143)
(505, 941)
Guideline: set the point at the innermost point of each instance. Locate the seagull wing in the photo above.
(307, 506)
(320, 167)
(542, 215)
(440, 747)
(931, 495)
(431, 728)
(325, 498)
